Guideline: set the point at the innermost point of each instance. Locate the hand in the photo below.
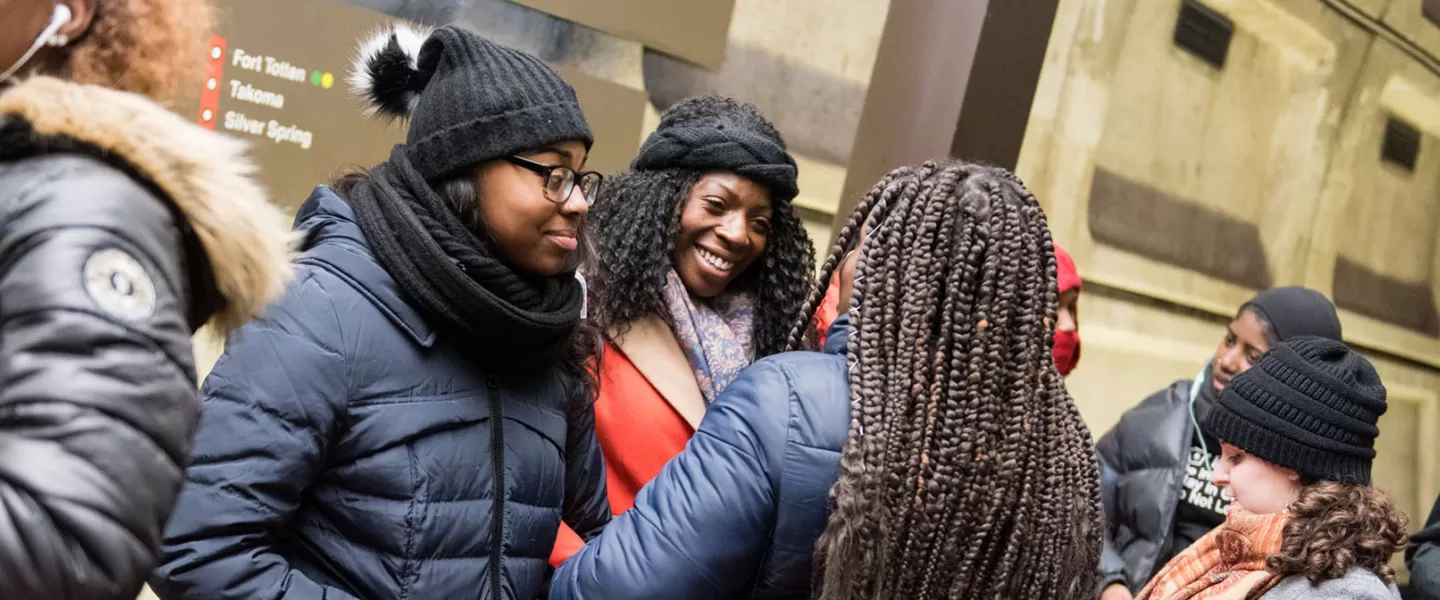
(1117, 591)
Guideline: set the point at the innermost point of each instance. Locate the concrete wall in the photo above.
(1181, 188)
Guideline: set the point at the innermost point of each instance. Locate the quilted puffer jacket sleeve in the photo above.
(271, 404)
(700, 529)
(587, 509)
(1112, 565)
(1423, 557)
(98, 401)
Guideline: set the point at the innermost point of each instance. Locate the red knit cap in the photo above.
(1066, 274)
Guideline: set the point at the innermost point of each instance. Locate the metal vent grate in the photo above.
(1401, 145)
(1204, 32)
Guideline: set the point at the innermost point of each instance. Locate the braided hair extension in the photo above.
(968, 472)
(636, 218)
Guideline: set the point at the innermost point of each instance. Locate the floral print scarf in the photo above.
(715, 334)
(1226, 564)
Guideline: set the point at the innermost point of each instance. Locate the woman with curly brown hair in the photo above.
(1297, 435)
(930, 452)
(123, 229)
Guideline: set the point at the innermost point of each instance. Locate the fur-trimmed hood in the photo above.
(206, 175)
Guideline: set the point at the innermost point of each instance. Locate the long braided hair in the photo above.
(636, 217)
(968, 471)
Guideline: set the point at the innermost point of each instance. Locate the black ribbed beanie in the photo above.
(469, 100)
(1310, 404)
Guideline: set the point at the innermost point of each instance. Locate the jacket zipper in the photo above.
(497, 457)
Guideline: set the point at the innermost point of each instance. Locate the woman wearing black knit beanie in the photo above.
(1155, 463)
(1297, 434)
(701, 266)
(413, 418)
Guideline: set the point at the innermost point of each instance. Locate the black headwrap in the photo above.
(743, 152)
(1297, 311)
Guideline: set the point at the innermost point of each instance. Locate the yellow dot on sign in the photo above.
(327, 81)
(215, 53)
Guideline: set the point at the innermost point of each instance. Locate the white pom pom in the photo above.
(386, 73)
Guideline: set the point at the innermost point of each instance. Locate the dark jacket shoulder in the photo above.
(737, 513)
(112, 225)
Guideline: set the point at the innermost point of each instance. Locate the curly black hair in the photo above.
(636, 217)
(968, 471)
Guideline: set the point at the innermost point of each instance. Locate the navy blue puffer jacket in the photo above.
(737, 513)
(347, 451)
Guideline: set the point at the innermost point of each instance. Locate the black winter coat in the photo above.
(1423, 557)
(109, 211)
(1142, 472)
(348, 450)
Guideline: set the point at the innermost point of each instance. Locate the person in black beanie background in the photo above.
(414, 418)
(1155, 464)
(701, 267)
(1297, 434)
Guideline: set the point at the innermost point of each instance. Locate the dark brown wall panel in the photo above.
(1410, 305)
(1137, 218)
(693, 30)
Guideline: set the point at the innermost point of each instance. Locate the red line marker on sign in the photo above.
(210, 88)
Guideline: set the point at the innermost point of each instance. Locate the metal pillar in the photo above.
(952, 78)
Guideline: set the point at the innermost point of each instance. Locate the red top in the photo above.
(639, 432)
(829, 308)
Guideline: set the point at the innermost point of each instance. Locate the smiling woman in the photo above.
(701, 266)
(427, 373)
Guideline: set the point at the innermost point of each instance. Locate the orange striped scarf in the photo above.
(1226, 564)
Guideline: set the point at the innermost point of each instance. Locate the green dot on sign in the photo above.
(315, 78)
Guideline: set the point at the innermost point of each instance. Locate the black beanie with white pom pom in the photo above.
(469, 100)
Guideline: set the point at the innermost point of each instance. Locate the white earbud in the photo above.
(50, 37)
(584, 296)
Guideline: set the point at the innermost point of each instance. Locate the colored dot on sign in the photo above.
(315, 78)
(209, 115)
(210, 84)
(215, 53)
(327, 81)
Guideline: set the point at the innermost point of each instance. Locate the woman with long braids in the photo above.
(701, 267)
(413, 418)
(1297, 438)
(931, 449)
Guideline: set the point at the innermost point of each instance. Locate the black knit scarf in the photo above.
(509, 319)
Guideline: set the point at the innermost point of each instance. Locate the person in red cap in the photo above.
(1067, 324)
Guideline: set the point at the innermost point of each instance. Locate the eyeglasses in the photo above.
(560, 181)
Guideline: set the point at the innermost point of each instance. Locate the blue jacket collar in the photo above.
(334, 241)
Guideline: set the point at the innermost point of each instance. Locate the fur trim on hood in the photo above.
(205, 174)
